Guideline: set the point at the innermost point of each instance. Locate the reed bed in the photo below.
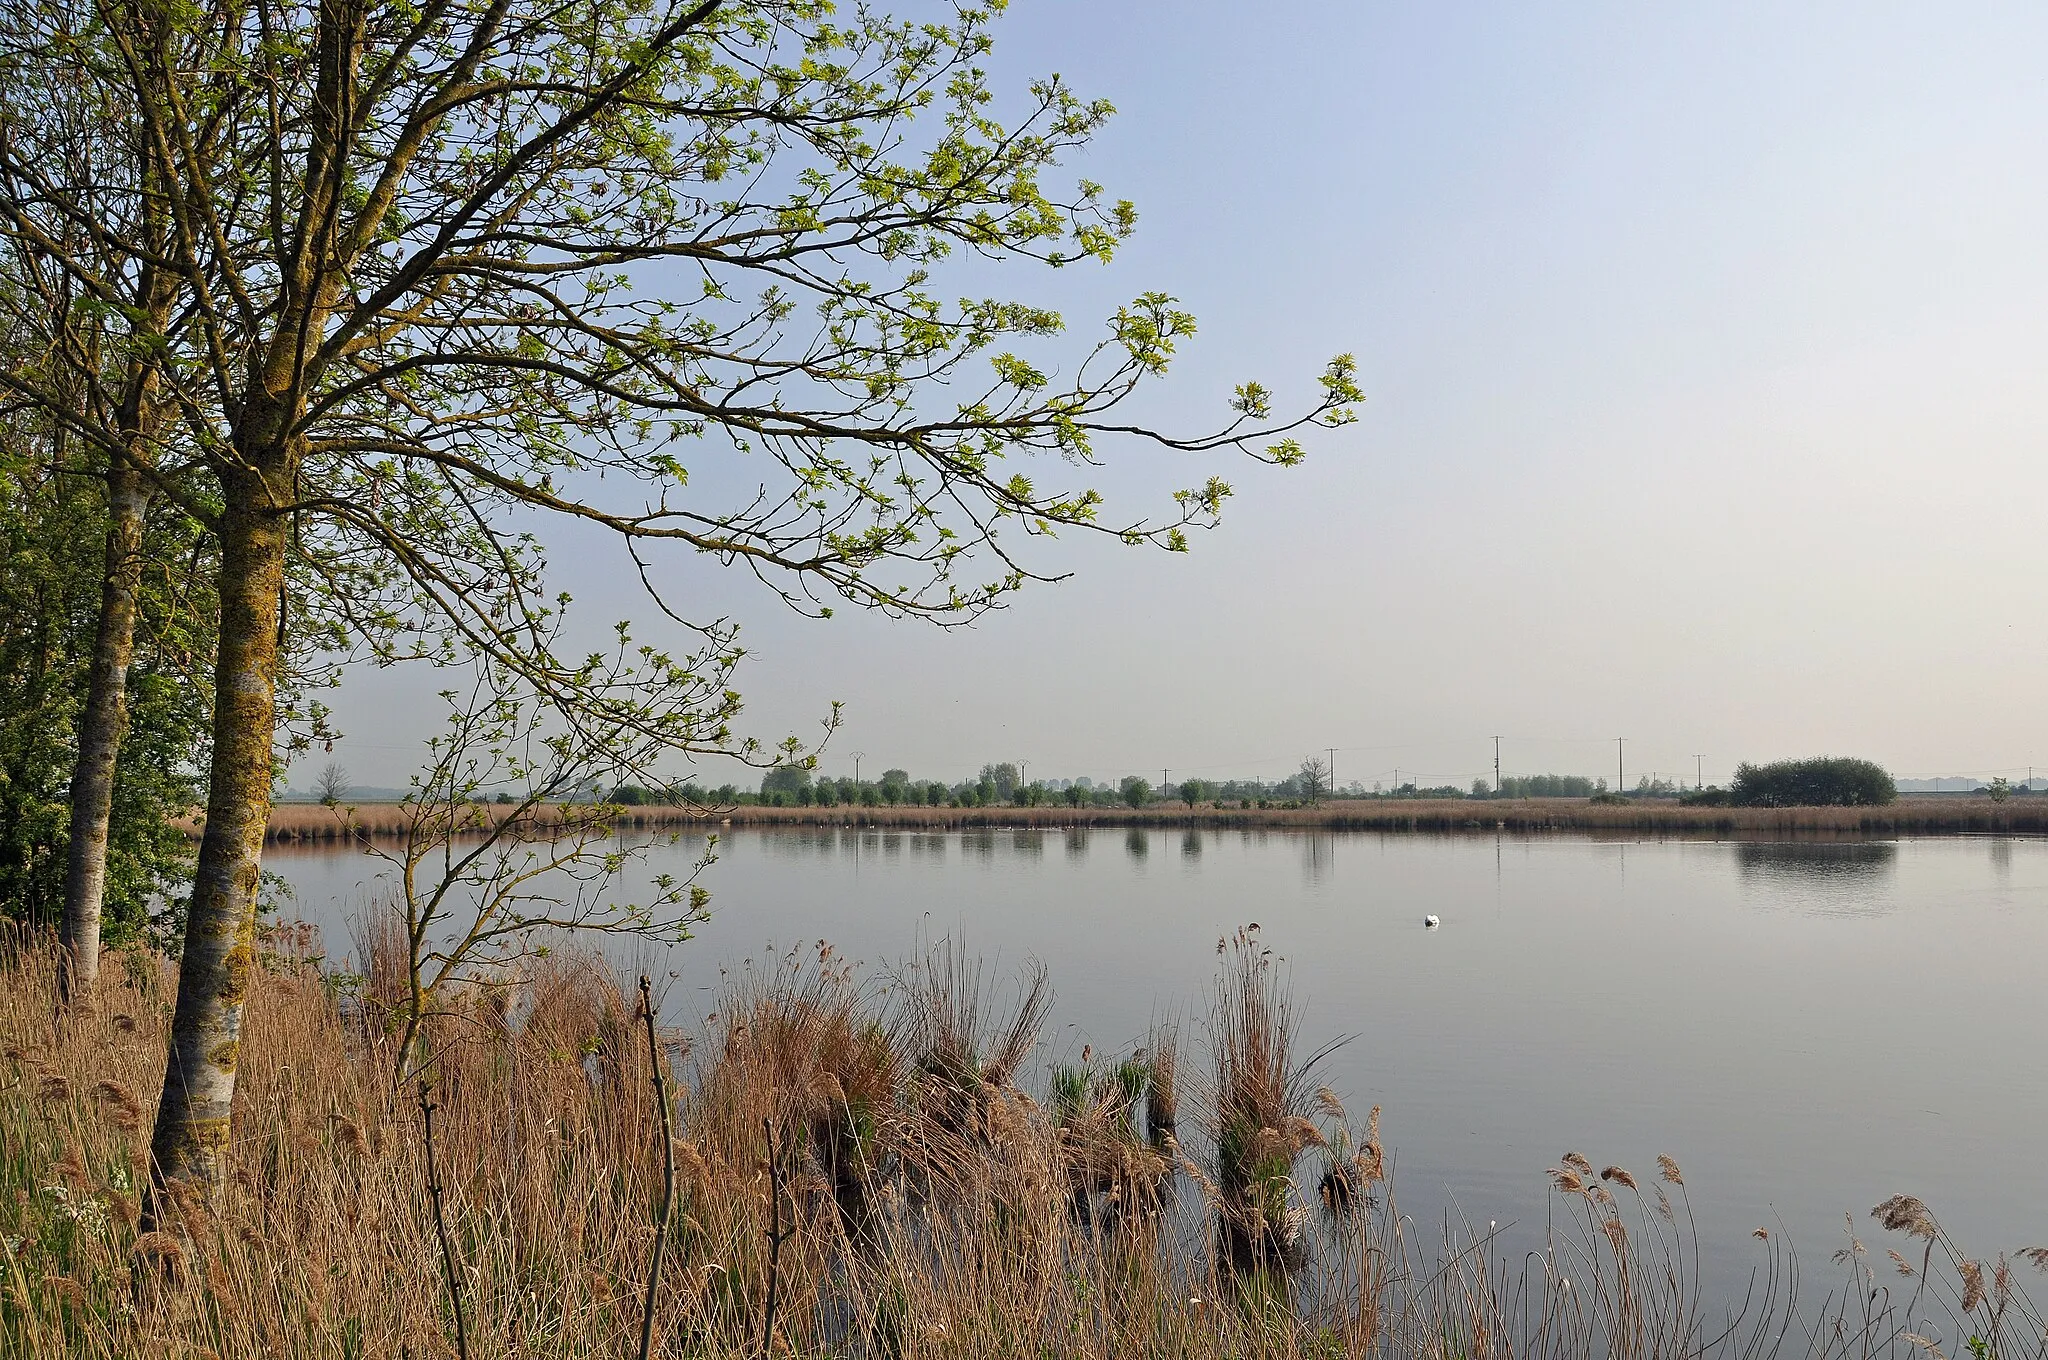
(305, 823)
(861, 1150)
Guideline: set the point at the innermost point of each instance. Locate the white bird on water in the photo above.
(1430, 922)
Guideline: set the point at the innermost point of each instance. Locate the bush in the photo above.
(1823, 781)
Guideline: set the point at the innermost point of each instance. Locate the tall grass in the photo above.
(931, 1206)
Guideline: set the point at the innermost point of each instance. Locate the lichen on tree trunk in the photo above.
(193, 1117)
(101, 728)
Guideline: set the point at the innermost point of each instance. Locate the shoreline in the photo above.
(312, 823)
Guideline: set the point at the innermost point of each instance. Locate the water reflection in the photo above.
(1029, 843)
(1077, 843)
(1829, 877)
(2001, 861)
(1318, 855)
(1137, 843)
(1190, 845)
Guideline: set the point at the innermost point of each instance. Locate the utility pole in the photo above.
(1496, 767)
(1699, 778)
(1162, 781)
(1331, 773)
(1620, 779)
(856, 769)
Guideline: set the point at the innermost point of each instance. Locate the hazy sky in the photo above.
(1706, 350)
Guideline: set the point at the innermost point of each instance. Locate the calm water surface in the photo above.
(1807, 1028)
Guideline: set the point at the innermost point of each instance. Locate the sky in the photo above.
(1705, 351)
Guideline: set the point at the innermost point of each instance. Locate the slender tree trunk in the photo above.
(192, 1120)
(101, 729)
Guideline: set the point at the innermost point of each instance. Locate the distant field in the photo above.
(299, 822)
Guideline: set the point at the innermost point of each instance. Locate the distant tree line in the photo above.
(1001, 784)
(1820, 781)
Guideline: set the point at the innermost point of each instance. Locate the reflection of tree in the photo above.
(1077, 843)
(1027, 843)
(1137, 843)
(1191, 845)
(1834, 877)
(1318, 855)
(1820, 862)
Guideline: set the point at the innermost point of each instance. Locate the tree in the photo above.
(1001, 781)
(85, 300)
(1999, 789)
(1314, 775)
(444, 265)
(1821, 781)
(791, 779)
(1194, 791)
(1135, 791)
(476, 883)
(332, 786)
(52, 536)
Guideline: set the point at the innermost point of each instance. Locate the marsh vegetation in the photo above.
(862, 1165)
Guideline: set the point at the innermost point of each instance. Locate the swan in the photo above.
(1430, 922)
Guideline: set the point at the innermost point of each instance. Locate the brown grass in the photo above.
(933, 1200)
(308, 822)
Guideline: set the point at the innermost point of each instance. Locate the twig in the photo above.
(441, 1226)
(775, 1236)
(668, 1172)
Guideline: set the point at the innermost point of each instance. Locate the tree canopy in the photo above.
(1820, 781)
(406, 281)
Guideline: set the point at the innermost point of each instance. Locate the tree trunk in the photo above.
(192, 1120)
(101, 728)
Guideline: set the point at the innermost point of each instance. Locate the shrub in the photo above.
(1822, 781)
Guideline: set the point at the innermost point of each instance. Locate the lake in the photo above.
(1806, 1027)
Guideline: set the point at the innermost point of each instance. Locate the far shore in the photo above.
(312, 823)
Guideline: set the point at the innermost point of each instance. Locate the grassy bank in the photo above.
(310, 823)
(870, 1157)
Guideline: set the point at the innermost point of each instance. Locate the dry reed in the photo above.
(927, 1200)
(308, 823)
